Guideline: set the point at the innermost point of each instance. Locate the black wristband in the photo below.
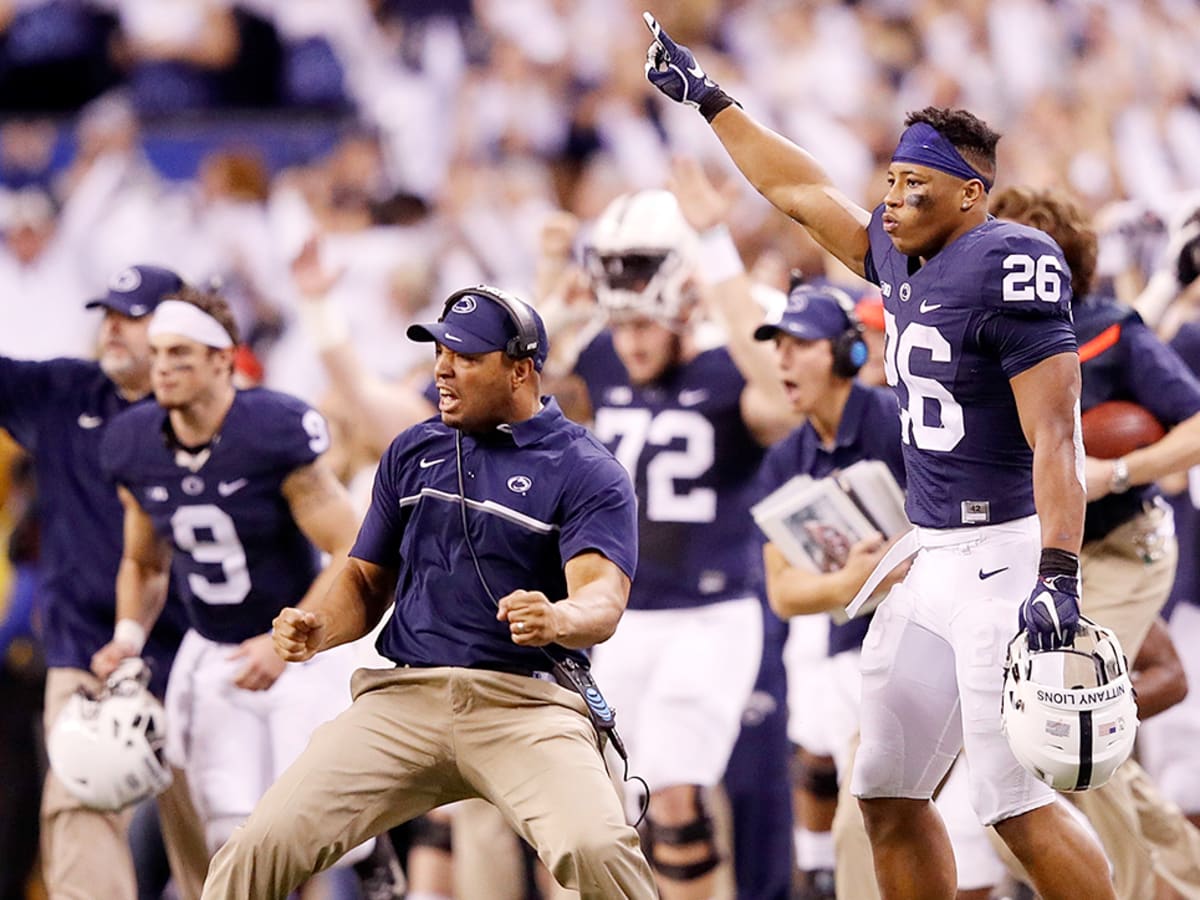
(714, 103)
(1055, 561)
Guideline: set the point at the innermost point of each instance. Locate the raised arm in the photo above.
(788, 176)
(729, 300)
(141, 587)
(381, 409)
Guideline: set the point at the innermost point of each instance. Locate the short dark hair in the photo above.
(213, 304)
(1060, 216)
(971, 136)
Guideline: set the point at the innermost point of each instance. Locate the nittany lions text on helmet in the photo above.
(1070, 714)
(642, 254)
(108, 750)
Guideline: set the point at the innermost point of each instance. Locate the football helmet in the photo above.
(642, 255)
(108, 750)
(1069, 714)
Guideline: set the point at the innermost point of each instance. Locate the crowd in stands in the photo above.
(428, 142)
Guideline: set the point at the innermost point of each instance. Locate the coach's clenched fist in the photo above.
(297, 634)
(530, 616)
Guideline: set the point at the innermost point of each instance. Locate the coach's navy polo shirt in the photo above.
(539, 492)
(869, 429)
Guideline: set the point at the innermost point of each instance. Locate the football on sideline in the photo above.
(1118, 427)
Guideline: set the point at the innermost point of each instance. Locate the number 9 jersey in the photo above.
(991, 304)
(239, 556)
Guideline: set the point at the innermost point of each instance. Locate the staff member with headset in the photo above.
(507, 536)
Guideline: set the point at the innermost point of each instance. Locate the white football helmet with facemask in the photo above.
(642, 255)
(1070, 714)
(108, 750)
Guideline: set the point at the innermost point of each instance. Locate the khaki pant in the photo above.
(415, 739)
(85, 853)
(1119, 589)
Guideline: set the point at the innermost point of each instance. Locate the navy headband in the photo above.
(924, 145)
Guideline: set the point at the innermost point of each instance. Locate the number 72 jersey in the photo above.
(239, 556)
(990, 305)
(693, 465)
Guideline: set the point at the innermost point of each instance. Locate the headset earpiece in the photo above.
(526, 343)
(850, 347)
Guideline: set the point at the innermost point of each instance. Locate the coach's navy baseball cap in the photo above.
(811, 314)
(477, 323)
(136, 291)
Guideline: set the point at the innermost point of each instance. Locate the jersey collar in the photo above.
(533, 429)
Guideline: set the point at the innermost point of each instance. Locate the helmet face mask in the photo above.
(1070, 715)
(108, 750)
(642, 255)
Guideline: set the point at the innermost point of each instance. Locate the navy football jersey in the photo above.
(692, 461)
(1122, 359)
(538, 494)
(58, 410)
(868, 430)
(990, 305)
(239, 555)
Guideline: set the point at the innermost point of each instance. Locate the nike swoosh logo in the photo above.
(89, 422)
(453, 337)
(926, 306)
(426, 463)
(695, 69)
(983, 576)
(227, 488)
(691, 398)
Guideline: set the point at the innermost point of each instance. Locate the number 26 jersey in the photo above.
(990, 305)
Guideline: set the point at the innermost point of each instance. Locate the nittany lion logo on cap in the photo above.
(520, 484)
(797, 302)
(126, 280)
(464, 305)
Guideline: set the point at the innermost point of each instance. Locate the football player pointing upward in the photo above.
(982, 356)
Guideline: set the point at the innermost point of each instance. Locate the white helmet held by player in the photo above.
(642, 255)
(108, 750)
(1070, 715)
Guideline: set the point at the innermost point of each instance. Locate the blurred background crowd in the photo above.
(427, 143)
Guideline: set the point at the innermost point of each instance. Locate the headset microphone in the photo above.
(567, 671)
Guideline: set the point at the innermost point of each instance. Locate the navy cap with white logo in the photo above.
(812, 314)
(136, 291)
(476, 323)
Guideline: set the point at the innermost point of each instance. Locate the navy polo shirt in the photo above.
(59, 410)
(869, 429)
(538, 493)
(1122, 359)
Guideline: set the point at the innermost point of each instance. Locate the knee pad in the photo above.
(427, 832)
(698, 831)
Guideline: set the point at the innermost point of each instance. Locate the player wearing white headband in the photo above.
(226, 490)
